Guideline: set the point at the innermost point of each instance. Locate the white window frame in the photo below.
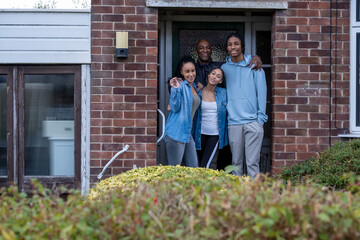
(354, 30)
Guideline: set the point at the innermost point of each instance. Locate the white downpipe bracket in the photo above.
(114, 157)
(127, 147)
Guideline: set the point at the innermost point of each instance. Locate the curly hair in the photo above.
(182, 62)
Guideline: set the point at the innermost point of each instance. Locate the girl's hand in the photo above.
(175, 82)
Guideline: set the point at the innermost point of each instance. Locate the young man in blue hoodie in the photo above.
(246, 93)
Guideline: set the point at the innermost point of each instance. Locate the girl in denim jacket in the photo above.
(210, 131)
(184, 102)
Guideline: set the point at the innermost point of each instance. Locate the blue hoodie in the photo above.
(246, 92)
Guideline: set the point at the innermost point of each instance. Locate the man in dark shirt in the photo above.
(205, 64)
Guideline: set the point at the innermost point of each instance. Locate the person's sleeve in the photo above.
(226, 135)
(175, 99)
(168, 84)
(261, 91)
(194, 124)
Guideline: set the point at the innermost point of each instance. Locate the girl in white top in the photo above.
(210, 133)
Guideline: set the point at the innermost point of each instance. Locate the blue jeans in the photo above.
(176, 151)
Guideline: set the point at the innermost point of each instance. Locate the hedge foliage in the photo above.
(158, 174)
(331, 168)
(184, 203)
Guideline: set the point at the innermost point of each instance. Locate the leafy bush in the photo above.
(330, 167)
(44, 215)
(353, 182)
(299, 172)
(183, 204)
(157, 174)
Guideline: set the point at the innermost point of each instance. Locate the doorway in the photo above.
(178, 37)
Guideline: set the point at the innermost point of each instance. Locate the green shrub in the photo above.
(45, 215)
(299, 172)
(183, 204)
(252, 210)
(353, 182)
(157, 174)
(328, 169)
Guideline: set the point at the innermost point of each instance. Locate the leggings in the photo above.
(209, 147)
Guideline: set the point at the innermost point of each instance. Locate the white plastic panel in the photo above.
(42, 37)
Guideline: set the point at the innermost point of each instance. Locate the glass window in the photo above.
(355, 69)
(189, 37)
(357, 80)
(263, 44)
(186, 34)
(358, 10)
(3, 142)
(49, 125)
(40, 119)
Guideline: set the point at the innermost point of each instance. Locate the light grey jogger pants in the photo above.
(245, 143)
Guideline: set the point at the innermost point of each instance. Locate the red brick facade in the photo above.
(304, 64)
(302, 60)
(123, 90)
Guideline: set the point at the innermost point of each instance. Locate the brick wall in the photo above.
(123, 90)
(301, 79)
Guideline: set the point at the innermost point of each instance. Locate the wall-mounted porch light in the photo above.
(121, 44)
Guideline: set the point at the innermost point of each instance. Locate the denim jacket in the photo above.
(179, 123)
(221, 101)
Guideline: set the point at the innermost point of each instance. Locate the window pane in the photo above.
(357, 10)
(263, 44)
(358, 80)
(3, 151)
(188, 39)
(49, 125)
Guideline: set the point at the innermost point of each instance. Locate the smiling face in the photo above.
(215, 77)
(203, 50)
(234, 47)
(189, 72)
